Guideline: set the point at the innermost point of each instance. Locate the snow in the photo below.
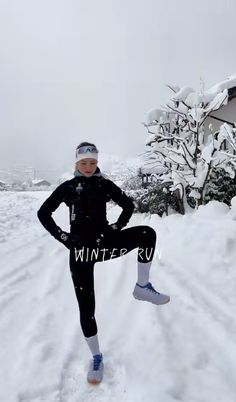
(219, 100)
(207, 152)
(37, 181)
(182, 94)
(192, 98)
(153, 115)
(228, 83)
(183, 351)
(233, 208)
(197, 114)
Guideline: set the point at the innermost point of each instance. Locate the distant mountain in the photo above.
(115, 166)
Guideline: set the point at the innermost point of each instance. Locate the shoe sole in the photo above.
(94, 382)
(149, 301)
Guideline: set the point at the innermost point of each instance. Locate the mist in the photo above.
(86, 70)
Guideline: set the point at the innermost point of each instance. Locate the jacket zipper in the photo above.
(73, 213)
(89, 211)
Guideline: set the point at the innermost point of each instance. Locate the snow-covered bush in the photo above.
(180, 145)
(220, 187)
(154, 199)
(133, 182)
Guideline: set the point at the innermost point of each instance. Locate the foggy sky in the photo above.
(78, 70)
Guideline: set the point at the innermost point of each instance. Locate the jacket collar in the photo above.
(97, 172)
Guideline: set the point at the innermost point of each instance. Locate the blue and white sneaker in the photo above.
(95, 373)
(148, 293)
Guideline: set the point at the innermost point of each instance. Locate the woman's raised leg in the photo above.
(144, 238)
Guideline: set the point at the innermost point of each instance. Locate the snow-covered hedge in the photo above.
(154, 199)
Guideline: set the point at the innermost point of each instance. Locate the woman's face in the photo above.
(87, 166)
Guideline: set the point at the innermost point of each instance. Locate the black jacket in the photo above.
(86, 198)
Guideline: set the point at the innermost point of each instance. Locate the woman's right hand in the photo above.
(68, 239)
(64, 238)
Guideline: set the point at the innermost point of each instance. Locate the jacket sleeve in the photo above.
(125, 202)
(48, 207)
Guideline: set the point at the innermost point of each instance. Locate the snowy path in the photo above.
(184, 351)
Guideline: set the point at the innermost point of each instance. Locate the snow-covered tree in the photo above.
(179, 143)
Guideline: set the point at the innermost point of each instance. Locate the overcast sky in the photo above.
(76, 70)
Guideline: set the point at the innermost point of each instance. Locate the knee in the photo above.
(148, 232)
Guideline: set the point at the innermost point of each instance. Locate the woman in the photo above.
(93, 239)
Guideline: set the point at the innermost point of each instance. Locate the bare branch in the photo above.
(176, 111)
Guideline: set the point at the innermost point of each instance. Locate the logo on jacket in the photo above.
(79, 188)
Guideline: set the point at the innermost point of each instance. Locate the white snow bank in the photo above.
(213, 210)
(184, 351)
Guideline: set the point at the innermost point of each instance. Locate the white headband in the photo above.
(87, 151)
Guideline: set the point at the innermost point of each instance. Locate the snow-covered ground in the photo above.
(183, 351)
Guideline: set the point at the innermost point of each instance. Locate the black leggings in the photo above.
(115, 245)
